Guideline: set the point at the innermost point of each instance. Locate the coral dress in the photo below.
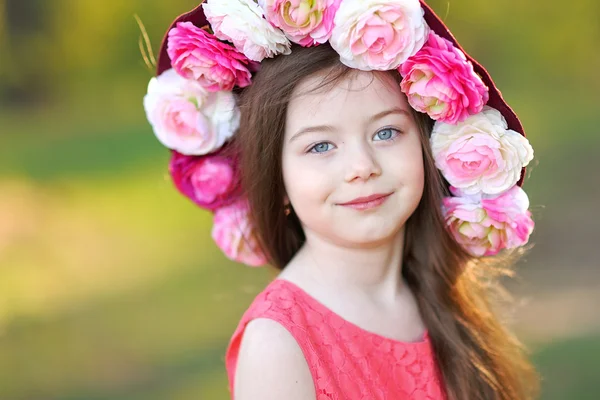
(345, 361)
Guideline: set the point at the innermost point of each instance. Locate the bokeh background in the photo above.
(110, 286)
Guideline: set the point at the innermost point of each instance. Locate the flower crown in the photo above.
(219, 46)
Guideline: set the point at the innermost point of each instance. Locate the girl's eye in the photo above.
(387, 134)
(320, 147)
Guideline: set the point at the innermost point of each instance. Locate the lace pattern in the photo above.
(346, 362)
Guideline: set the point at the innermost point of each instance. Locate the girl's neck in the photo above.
(373, 272)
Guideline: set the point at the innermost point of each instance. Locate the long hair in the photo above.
(477, 358)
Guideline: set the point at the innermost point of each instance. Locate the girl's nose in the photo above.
(362, 163)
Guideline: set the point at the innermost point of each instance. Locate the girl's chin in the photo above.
(369, 237)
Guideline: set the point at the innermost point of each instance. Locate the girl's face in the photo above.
(354, 140)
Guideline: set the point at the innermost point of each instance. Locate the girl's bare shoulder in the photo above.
(271, 364)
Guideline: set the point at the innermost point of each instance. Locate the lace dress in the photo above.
(346, 361)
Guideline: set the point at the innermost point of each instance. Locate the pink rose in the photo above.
(186, 117)
(378, 34)
(484, 225)
(210, 181)
(234, 234)
(196, 54)
(440, 81)
(306, 22)
(480, 154)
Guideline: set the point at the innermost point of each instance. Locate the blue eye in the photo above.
(387, 134)
(320, 147)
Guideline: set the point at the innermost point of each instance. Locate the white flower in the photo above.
(242, 22)
(186, 117)
(480, 154)
(378, 34)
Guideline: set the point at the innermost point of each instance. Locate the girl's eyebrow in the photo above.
(396, 110)
(310, 129)
(329, 128)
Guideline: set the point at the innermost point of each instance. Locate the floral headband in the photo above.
(477, 140)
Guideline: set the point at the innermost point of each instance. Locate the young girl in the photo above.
(355, 147)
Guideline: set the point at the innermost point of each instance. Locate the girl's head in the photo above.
(212, 54)
(315, 134)
(355, 139)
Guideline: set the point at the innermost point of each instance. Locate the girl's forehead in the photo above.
(356, 93)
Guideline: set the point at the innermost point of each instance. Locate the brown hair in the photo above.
(477, 357)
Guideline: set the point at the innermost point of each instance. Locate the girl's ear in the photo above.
(286, 200)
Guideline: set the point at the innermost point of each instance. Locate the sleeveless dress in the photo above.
(346, 362)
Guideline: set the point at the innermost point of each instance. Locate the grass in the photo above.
(133, 346)
(570, 368)
(127, 348)
(110, 285)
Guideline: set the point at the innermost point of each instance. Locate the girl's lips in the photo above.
(365, 203)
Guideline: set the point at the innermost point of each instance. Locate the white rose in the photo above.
(187, 118)
(480, 154)
(378, 34)
(242, 22)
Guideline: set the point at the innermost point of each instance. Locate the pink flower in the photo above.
(210, 181)
(378, 34)
(196, 54)
(484, 225)
(440, 81)
(186, 117)
(480, 154)
(234, 234)
(242, 23)
(306, 22)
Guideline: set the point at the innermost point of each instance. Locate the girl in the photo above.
(355, 147)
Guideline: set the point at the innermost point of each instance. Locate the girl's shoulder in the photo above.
(268, 340)
(269, 364)
(279, 301)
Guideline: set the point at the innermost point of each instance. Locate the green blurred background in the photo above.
(110, 286)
